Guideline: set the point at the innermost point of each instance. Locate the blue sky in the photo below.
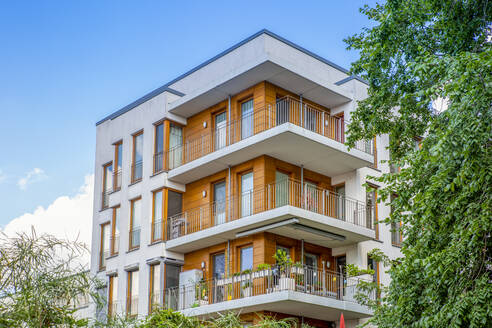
(64, 65)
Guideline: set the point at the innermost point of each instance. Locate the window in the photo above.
(157, 215)
(107, 184)
(247, 119)
(104, 251)
(115, 231)
(135, 221)
(311, 262)
(371, 209)
(176, 220)
(373, 265)
(159, 148)
(137, 159)
(282, 107)
(218, 272)
(340, 202)
(175, 146)
(311, 196)
(118, 158)
(396, 236)
(247, 194)
(132, 294)
(246, 258)
(113, 296)
(219, 205)
(220, 131)
(154, 286)
(281, 188)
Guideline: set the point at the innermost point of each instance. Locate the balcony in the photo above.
(290, 289)
(289, 130)
(287, 207)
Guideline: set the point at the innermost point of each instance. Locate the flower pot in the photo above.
(287, 283)
(247, 292)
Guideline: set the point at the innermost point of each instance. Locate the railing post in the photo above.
(323, 277)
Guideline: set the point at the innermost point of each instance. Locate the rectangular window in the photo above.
(247, 119)
(104, 251)
(311, 201)
(246, 258)
(113, 295)
(396, 236)
(115, 231)
(159, 148)
(220, 131)
(371, 209)
(219, 205)
(157, 215)
(373, 265)
(281, 189)
(107, 184)
(175, 146)
(137, 159)
(175, 219)
(155, 286)
(247, 194)
(118, 158)
(132, 294)
(135, 221)
(340, 203)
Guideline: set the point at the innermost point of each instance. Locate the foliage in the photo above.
(271, 322)
(417, 53)
(263, 266)
(228, 320)
(41, 281)
(162, 318)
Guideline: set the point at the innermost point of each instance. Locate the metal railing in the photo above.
(158, 162)
(274, 195)
(117, 180)
(132, 306)
(157, 230)
(137, 171)
(115, 244)
(285, 110)
(134, 238)
(301, 279)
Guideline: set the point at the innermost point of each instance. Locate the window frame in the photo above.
(163, 214)
(113, 229)
(133, 163)
(102, 258)
(131, 227)
(117, 166)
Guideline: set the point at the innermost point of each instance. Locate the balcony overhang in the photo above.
(264, 69)
(272, 221)
(287, 142)
(289, 302)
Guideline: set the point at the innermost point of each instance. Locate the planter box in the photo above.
(287, 284)
(202, 302)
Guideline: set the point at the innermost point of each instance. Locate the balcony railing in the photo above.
(281, 278)
(285, 110)
(115, 244)
(136, 171)
(158, 162)
(132, 306)
(274, 195)
(116, 180)
(134, 238)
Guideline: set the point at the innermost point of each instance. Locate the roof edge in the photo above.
(350, 78)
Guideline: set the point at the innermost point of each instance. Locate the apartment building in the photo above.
(200, 183)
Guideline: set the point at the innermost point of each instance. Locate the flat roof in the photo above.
(166, 87)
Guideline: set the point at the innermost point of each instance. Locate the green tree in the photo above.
(417, 52)
(42, 281)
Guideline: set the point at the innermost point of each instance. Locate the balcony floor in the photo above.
(287, 142)
(221, 233)
(289, 302)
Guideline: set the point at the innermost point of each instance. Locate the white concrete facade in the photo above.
(263, 57)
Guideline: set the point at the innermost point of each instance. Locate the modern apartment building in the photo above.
(202, 181)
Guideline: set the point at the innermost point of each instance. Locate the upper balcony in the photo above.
(287, 208)
(290, 130)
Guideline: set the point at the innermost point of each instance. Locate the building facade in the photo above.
(231, 188)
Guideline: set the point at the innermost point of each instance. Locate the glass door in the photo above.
(220, 133)
(175, 146)
(219, 207)
(218, 273)
(310, 199)
(247, 194)
(281, 189)
(311, 274)
(340, 202)
(247, 119)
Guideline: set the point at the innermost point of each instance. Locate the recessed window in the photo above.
(115, 231)
(107, 184)
(118, 158)
(159, 148)
(155, 286)
(247, 194)
(246, 258)
(135, 223)
(104, 247)
(175, 153)
(132, 294)
(247, 119)
(157, 215)
(137, 159)
(113, 296)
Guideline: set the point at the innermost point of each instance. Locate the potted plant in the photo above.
(202, 293)
(284, 264)
(247, 289)
(261, 270)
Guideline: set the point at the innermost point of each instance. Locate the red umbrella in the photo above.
(342, 321)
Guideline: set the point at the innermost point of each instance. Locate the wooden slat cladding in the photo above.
(264, 248)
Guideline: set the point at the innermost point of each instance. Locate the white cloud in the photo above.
(34, 175)
(65, 218)
(2, 176)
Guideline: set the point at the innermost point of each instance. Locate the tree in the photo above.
(416, 53)
(42, 281)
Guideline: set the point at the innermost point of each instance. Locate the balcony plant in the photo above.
(284, 265)
(247, 289)
(202, 292)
